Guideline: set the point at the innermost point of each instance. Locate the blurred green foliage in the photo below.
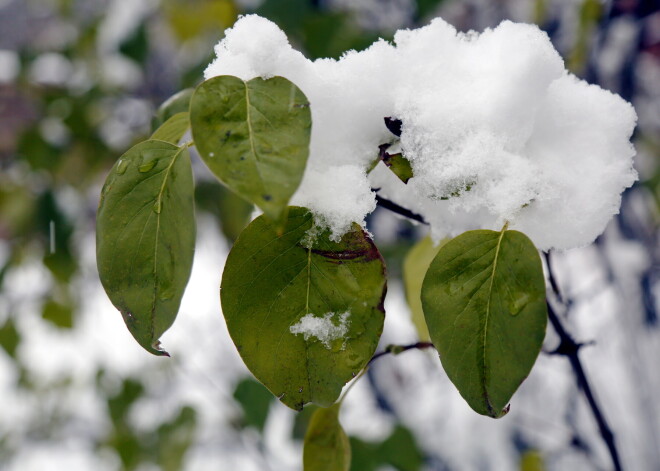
(58, 140)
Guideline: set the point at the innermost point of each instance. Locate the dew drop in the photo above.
(145, 167)
(521, 300)
(122, 165)
(211, 154)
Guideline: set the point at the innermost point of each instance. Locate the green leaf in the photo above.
(254, 136)
(230, 210)
(401, 451)
(10, 338)
(145, 237)
(177, 103)
(59, 314)
(271, 283)
(326, 446)
(173, 129)
(174, 439)
(415, 267)
(484, 302)
(399, 165)
(255, 401)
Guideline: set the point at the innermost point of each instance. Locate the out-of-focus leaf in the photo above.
(17, 207)
(301, 421)
(287, 14)
(255, 401)
(10, 338)
(175, 438)
(34, 149)
(426, 7)
(61, 315)
(231, 211)
(173, 129)
(590, 13)
(189, 18)
(531, 460)
(145, 237)
(365, 456)
(484, 303)
(400, 450)
(120, 404)
(270, 283)
(56, 231)
(177, 103)
(254, 136)
(330, 34)
(136, 45)
(326, 445)
(415, 266)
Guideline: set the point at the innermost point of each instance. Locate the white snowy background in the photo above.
(547, 414)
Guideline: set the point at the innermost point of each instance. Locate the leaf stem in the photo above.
(390, 349)
(569, 348)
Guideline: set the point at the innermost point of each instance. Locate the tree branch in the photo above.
(569, 348)
(396, 349)
(400, 210)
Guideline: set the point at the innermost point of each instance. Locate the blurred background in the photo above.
(80, 81)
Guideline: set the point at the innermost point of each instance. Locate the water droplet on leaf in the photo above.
(518, 303)
(145, 167)
(122, 165)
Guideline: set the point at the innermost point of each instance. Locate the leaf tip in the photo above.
(157, 350)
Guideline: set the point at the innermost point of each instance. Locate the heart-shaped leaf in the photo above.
(145, 237)
(304, 312)
(254, 136)
(484, 303)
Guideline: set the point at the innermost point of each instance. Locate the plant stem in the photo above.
(569, 348)
(400, 210)
(396, 349)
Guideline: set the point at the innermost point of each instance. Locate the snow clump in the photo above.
(495, 128)
(323, 328)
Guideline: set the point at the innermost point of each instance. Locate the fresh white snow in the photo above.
(495, 128)
(325, 328)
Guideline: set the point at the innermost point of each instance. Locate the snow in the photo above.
(494, 126)
(323, 328)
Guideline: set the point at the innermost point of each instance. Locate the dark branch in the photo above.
(400, 210)
(396, 349)
(569, 348)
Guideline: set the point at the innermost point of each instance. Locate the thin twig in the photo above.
(569, 348)
(400, 210)
(396, 349)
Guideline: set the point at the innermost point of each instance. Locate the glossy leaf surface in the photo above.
(254, 136)
(484, 302)
(273, 285)
(145, 237)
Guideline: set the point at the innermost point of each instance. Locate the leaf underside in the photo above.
(145, 237)
(271, 282)
(484, 303)
(254, 136)
(173, 129)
